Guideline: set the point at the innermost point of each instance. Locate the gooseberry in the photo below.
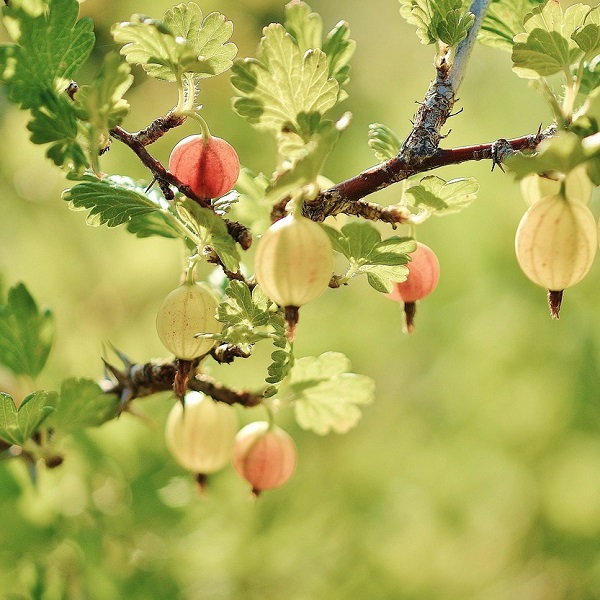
(264, 455)
(186, 311)
(210, 167)
(423, 276)
(577, 186)
(294, 261)
(200, 433)
(555, 244)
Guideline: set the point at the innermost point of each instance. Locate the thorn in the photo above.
(456, 113)
(150, 184)
(127, 363)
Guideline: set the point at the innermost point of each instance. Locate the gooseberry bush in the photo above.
(293, 90)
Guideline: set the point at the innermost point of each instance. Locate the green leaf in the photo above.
(81, 403)
(503, 21)
(383, 141)
(587, 36)
(283, 83)
(26, 334)
(305, 27)
(283, 358)
(101, 104)
(50, 47)
(117, 200)
(55, 123)
(326, 396)
(245, 315)
(17, 425)
(447, 21)
(213, 232)
(440, 197)
(546, 47)
(383, 261)
(339, 49)
(181, 43)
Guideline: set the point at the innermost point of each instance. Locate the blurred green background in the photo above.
(474, 476)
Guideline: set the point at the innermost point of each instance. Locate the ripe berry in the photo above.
(423, 276)
(294, 263)
(556, 242)
(209, 167)
(264, 456)
(200, 433)
(186, 311)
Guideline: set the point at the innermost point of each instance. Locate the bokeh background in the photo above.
(474, 476)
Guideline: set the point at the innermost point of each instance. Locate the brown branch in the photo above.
(142, 380)
(346, 197)
(158, 128)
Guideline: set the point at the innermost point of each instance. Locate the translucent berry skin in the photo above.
(556, 242)
(294, 261)
(210, 169)
(186, 311)
(263, 456)
(200, 437)
(578, 187)
(423, 276)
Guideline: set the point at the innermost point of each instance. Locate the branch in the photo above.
(142, 380)
(346, 197)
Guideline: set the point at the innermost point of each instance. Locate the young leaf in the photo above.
(181, 43)
(212, 231)
(304, 26)
(440, 197)
(503, 21)
(446, 21)
(282, 83)
(252, 209)
(326, 396)
(339, 49)
(283, 358)
(383, 261)
(244, 314)
(26, 334)
(101, 104)
(17, 425)
(383, 141)
(50, 47)
(81, 403)
(117, 200)
(587, 36)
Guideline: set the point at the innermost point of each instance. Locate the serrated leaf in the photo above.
(182, 43)
(26, 333)
(117, 200)
(546, 46)
(587, 36)
(447, 21)
(304, 26)
(383, 141)
(441, 197)
(339, 49)
(17, 425)
(50, 47)
(503, 21)
(383, 261)
(81, 403)
(55, 123)
(253, 209)
(282, 83)
(213, 232)
(283, 358)
(101, 104)
(326, 396)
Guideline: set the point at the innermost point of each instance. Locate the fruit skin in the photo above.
(264, 456)
(210, 169)
(556, 242)
(200, 436)
(423, 276)
(294, 261)
(186, 311)
(578, 186)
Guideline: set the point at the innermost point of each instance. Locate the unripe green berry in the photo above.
(210, 168)
(294, 261)
(556, 242)
(186, 311)
(201, 433)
